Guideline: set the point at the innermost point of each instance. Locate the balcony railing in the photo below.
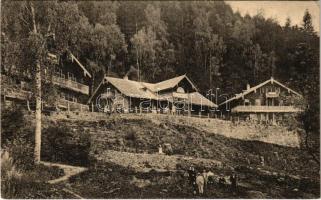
(72, 106)
(264, 109)
(272, 94)
(66, 83)
(16, 93)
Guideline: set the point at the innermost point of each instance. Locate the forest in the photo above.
(214, 46)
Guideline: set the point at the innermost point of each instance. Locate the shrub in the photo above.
(9, 176)
(62, 144)
(17, 137)
(22, 152)
(131, 135)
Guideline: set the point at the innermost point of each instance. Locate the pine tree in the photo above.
(307, 22)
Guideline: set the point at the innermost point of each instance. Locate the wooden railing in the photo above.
(16, 93)
(71, 84)
(12, 90)
(72, 106)
(280, 109)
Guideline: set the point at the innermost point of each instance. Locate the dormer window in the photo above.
(180, 90)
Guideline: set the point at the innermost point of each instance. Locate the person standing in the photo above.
(160, 149)
(200, 183)
(192, 178)
(234, 180)
(205, 178)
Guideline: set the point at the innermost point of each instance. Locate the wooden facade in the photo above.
(70, 77)
(269, 101)
(73, 82)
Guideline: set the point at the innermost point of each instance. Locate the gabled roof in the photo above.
(193, 98)
(149, 90)
(170, 83)
(128, 87)
(131, 88)
(252, 89)
(199, 99)
(73, 58)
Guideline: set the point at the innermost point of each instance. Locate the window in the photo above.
(58, 72)
(180, 90)
(281, 102)
(62, 95)
(71, 76)
(247, 102)
(74, 99)
(257, 102)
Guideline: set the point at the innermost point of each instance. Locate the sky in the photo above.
(280, 10)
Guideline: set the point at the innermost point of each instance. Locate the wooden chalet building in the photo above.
(126, 95)
(269, 101)
(73, 81)
(70, 76)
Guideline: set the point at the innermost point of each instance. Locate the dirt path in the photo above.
(144, 162)
(69, 171)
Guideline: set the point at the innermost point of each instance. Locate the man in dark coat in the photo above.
(234, 180)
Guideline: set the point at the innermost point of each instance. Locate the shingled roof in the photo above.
(252, 89)
(54, 57)
(170, 83)
(131, 88)
(145, 90)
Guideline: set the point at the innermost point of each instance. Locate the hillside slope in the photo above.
(124, 153)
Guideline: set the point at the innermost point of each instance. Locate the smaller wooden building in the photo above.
(73, 81)
(270, 101)
(70, 77)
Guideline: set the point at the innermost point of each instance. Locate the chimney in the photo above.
(248, 86)
(125, 77)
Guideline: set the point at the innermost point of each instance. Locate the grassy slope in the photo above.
(143, 135)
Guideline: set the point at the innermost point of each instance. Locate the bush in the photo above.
(131, 135)
(10, 176)
(25, 184)
(62, 144)
(17, 137)
(22, 152)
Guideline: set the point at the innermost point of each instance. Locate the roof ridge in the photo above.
(272, 80)
(171, 78)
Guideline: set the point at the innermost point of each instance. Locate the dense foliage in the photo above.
(63, 145)
(17, 138)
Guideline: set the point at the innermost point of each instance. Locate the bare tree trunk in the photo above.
(210, 70)
(38, 98)
(38, 114)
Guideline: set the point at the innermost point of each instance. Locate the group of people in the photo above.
(200, 180)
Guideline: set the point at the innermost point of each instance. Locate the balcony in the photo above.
(72, 106)
(16, 93)
(266, 109)
(66, 83)
(272, 94)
